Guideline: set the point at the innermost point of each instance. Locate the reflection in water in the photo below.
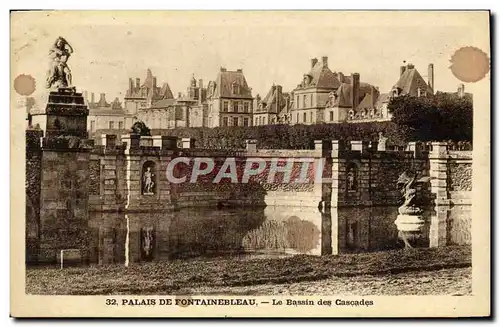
(270, 231)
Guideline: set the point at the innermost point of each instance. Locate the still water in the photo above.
(266, 231)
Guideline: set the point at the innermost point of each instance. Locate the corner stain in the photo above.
(470, 64)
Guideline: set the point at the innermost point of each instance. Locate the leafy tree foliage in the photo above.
(441, 117)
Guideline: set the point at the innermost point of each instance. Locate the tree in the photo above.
(441, 117)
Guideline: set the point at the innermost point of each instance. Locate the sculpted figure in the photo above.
(148, 181)
(407, 181)
(59, 73)
(139, 127)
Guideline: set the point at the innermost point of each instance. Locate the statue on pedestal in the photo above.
(140, 128)
(59, 74)
(409, 221)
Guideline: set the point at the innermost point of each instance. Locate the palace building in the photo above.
(229, 100)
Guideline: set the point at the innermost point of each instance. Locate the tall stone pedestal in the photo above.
(64, 176)
(66, 114)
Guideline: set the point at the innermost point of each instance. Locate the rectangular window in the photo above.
(305, 117)
(235, 121)
(245, 122)
(264, 120)
(225, 106)
(256, 121)
(224, 121)
(297, 118)
(120, 125)
(297, 105)
(331, 115)
(92, 125)
(311, 100)
(111, 125)
(304, 99)
(236, 106)
(246, 106)
(311, 115)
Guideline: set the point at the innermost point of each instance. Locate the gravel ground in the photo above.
(397, 272)
(456, 281)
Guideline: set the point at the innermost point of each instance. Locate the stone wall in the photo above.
(33, 183)
(459, 175)
(353, 174)
(374, 172)
(64, 197)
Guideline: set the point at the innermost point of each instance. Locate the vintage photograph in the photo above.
(226, 158)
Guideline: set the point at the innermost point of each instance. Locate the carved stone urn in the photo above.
(409, 221)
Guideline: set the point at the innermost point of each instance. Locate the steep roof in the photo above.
(368, 95)
(165, 92)
(163, 103)
(149, 91)
(410, 81)
(272, 99)
(224, 85)
(383, 98)
(320, 76)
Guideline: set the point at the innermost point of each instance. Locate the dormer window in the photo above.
(351, 114)
(307, 80)
(236, 88)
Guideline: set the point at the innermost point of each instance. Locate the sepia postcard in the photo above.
(250, 164)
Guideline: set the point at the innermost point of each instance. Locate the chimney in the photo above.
(430, 76)
(102, 99)
(461, 90)
(325, 61)
(355, 90)
(278, 97)
(137, 82)
(314, 61)
(200, 94)
(222, 69)
(239, 70)
(86, 96)
(154, 82)
(130, 84)
(92, 99)
(402, 70)
(179, 95)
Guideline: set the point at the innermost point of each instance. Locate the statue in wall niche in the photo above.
(148, 181)
(350, 180)
(351, 177)
(382, 140)
(59, 74)
(140, 128)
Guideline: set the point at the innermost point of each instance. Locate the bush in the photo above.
(282, 136)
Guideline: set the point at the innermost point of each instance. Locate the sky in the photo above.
(270, 47)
